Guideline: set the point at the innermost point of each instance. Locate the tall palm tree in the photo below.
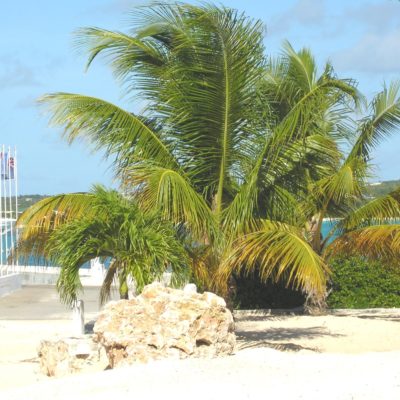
(137, 245)
(240, 151)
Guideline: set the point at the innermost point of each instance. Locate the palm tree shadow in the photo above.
(89, 327)
(381, 318)
(283, 346)
(373, 315)
(262, 317)
(281, 338)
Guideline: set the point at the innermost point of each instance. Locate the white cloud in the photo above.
(116, 7)
(303, 12)
(376, 17)
(16, 74)
(26, 102)
(374, 52)
(309, 12)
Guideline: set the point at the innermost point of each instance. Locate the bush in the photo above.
(252, 294)
(360, 283)
(355, 283)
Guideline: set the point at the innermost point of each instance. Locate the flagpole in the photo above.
(5, 203)
(10, 159)
(1, 210)
(16, 199)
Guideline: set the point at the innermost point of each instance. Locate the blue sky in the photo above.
(361, 38)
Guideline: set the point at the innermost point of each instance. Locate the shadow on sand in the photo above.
(392, 315)
(280, 338)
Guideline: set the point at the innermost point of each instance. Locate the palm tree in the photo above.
(365, 227)
(240, 151)
(138, 245)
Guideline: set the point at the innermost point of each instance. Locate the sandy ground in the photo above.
(345, 331)
(348, 355)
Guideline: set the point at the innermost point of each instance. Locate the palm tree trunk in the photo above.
(123, 287)
(124, 296)
(231, 293)
(315, 303)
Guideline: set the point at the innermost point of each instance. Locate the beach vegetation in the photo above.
(137, 245)
(357, 282)
(244, 153)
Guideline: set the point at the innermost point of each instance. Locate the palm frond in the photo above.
(277, 250)
(69, 285)
(49, 213)
(378, 211)
(273, 188)
(169, 192)
(302, 67)
(383, 121)
(109, 279)
(124, 51)
(345, 184)
(227, 138)
(375, 242)
(107, 126)
(138, 245)
(197, 67)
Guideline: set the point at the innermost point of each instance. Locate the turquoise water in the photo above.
(326, 227)
(31, 261)
(5, 239)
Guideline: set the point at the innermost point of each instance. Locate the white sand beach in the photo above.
(349, 355)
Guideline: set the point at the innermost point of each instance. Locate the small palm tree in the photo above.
(361, 226)
(242, 152)
(137, 245)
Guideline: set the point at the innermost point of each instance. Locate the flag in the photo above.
(7, 165)
(3, 164)
(11, 166)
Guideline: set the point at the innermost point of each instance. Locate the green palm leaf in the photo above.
(384, 121)
(227, 138)
(107, 126)
(345, 184)
(377, 211)
(278, 250)
(124, 51)
(50, 212)
(376, 242)
(169, 192)
(139, 245)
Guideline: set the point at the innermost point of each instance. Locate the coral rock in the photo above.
(165, 323)
(67, 356)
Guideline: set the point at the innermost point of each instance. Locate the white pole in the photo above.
(78, 318)
(16, 196)
(1, 211)
(5, 203)
(10, 202)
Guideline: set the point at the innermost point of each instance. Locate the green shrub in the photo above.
(355, 283)
(360, 283)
